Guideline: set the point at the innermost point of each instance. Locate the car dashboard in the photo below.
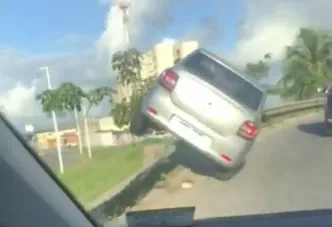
(179, 217)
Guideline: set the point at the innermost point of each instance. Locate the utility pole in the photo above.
(55, 123)
(124, 6)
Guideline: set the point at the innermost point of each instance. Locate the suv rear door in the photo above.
(215, 94)
(328, 102)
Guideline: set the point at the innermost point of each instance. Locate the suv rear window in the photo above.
(224, 80)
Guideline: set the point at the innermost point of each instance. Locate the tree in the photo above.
(127, 65)
(95, 96)
(50, 101)
(73, 97)
(304, 66)
(121, 113)
(70, 96)
(259, 69)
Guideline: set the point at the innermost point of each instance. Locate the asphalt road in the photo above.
(288, 169)
(70, 157)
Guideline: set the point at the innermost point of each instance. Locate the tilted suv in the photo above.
(208, 104)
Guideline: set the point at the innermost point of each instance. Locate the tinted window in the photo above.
(224, 79)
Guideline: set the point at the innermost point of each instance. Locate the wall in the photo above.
(164, 56)
(187, 47)
(47, 140)
(107, 124)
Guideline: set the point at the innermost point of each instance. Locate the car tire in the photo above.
(328, 130)
(139, 124)
(226, 175)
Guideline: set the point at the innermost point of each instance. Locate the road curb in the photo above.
(135, 190)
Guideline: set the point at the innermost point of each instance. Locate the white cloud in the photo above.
(271, 25)
(268, 27)
(21, 81)
(208, 31)
(168, 40)
(86, 68)
(18, 100)
(143, 15)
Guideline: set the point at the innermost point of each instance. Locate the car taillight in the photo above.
(248, 130)
(168, 80)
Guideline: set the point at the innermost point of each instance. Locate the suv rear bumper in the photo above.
(159, 107)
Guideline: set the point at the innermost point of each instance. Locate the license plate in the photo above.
(190, 133)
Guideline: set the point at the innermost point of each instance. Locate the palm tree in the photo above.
(49, 101)
(305, 65)
(70, 96)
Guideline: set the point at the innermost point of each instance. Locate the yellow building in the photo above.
(160, 57)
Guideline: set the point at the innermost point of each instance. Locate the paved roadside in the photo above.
(280, 175)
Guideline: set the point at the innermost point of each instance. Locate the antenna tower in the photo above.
(124, 6)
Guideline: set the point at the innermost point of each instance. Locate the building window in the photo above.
(178, 53)
(177, 56)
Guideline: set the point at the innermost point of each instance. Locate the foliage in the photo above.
(304, 66)
(49, 101)
(127, 65)
(136, 98)
(69, 97)
(121, 113)
(259, 69)
(95, 96)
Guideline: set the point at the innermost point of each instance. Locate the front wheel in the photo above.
(328, 130)
(226, 175)
(139, 124)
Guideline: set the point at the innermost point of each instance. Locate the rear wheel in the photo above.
(328, 128)
(226, 175)
(139, 124)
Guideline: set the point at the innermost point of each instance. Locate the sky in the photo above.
(76, 39)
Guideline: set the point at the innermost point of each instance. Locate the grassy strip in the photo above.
(108, 167)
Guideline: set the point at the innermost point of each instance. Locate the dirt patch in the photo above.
(152, 153)
(171, 183)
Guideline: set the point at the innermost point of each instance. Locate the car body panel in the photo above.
(328, 104)
(203, 115)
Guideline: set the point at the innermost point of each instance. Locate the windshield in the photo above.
(85, 85)
(225, 80)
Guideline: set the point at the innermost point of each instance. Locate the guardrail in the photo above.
(292, 107)
(137, 186)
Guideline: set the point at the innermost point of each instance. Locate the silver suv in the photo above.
(208, 104)
(327, 91)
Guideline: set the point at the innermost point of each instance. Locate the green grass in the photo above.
(108, 167)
